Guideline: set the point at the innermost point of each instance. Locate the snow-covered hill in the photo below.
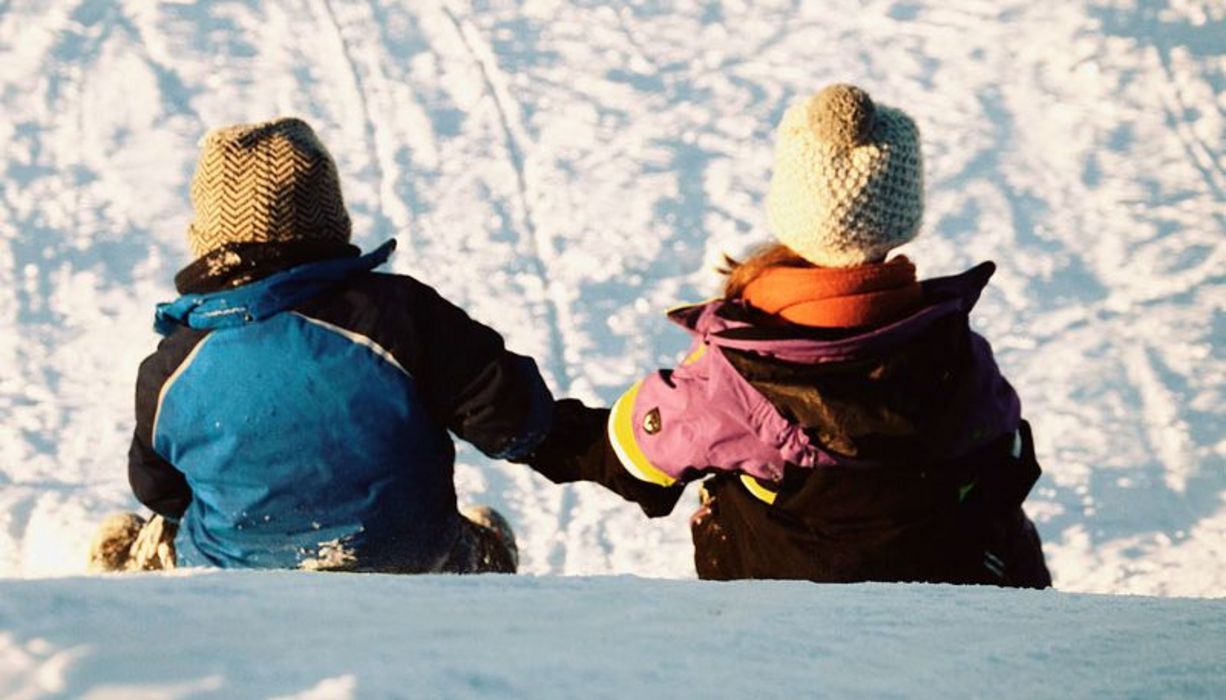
(331, 637)
(567, 171)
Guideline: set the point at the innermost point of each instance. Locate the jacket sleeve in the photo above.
(155, 482)
(655, 438)
(578, 449)
(485, 394)
(664, 427)
(702, 417)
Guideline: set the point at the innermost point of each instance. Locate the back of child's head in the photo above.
(271, 182)
(847, 188)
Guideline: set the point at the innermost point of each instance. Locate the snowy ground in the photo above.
(344, 636)
(567, 171)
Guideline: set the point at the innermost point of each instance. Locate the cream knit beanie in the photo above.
(265, 183)
(848, 182)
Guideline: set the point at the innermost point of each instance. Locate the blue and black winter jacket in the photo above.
(301, 418)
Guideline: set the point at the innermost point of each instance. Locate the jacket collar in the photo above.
(729, 323)
(235, 264)
(259, 300)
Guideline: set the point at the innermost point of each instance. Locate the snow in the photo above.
(351, 636)
(567, 171)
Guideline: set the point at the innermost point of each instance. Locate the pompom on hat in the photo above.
(270, 182)
(848, 182)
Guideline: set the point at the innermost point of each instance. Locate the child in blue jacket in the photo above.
(296, 412)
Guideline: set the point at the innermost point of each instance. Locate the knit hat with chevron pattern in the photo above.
(848, 184)
(265, 183)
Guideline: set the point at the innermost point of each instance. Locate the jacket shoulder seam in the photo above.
(359, 339)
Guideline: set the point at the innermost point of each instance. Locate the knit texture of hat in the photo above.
(265, 183)
(848, 183)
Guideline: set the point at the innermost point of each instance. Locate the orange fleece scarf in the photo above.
(830, 297)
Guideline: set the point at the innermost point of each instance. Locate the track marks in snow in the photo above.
(1174, 39)
(1166, 431)
(371, 123)
(514, 133)
(551, 516)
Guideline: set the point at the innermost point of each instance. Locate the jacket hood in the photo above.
(727, 324)
(920, 389)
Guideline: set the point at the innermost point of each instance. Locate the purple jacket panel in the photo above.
(704, 414)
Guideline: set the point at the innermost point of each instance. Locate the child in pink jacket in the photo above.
(848, 423)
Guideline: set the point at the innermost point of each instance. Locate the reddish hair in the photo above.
(741, 272)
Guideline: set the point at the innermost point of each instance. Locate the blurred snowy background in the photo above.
(567, 171)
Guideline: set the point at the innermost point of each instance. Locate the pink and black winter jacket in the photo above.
(890, 453)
